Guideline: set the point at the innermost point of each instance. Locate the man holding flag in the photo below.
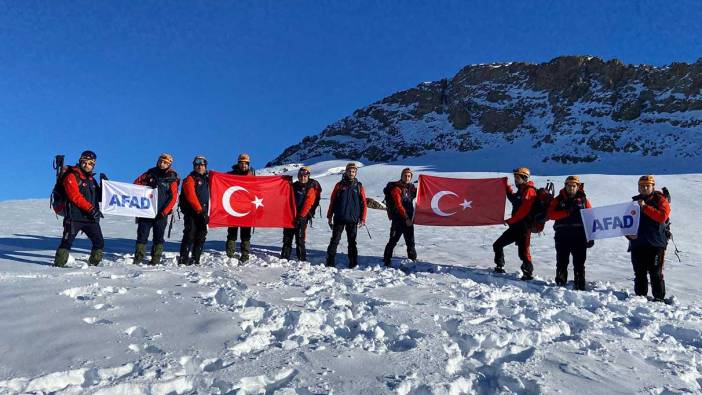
(519, 231)
(649, 244)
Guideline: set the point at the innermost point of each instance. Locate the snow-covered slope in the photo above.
(574, 113)
(446, 324)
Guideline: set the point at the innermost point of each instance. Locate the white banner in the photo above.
(611, 221)
(129, 200)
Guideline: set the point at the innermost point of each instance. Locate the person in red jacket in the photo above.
(305, 195)
(165, 179)
(649, 245)
(401, 211)
(82, 213)
(347, 211)
(194, 203)
(570, 234)
(519, 223)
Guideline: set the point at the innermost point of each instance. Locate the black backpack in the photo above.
(539, 208)
(389, 204)
(312, 183)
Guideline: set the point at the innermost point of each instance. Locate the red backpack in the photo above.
(539, 208)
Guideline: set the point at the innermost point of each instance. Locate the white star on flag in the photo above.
(258, 202)
(466, 204)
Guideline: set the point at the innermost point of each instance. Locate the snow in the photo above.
(445, 325)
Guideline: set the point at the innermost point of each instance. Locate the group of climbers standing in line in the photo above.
(347, 212)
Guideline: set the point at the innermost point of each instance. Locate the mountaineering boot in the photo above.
(527, 271)
(286, 252)
(230, 248)
(411, 254)
(353, 261)
(301, 252)
(561, 277)
(579, 283)
(139, 253)
(61, 257)
(183, 258)
(330, 261)
(95, 257)
(499, 262)
(387, 255)
(156, 252)
(197, 251)
(245, 247)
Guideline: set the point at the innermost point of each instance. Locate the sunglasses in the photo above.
(90, 162)
(200, 162)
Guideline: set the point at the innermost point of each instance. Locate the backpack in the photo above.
(539, 208)
(58, 201)
(387, 199)
(668, 232)
(312, 183)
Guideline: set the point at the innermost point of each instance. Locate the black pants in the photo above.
(298, 233)
(144, 226)
(90, 229)
(194, 234)
(399, 228)
(567, 245)
(648, 262)
(520, 234)
(351, 231)
(233, 231)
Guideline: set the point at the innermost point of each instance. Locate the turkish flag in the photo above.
(258, 201)
(443, 201)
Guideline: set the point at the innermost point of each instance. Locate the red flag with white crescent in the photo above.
(443, 201)
(259, 201)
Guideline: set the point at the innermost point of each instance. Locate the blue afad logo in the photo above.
(130, 201)
(607, 223)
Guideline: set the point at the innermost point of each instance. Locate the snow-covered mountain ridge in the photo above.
(603, 116)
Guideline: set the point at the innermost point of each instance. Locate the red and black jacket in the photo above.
(652, 227)
(304, 198)
(195, 193)
(82, 193)
(166, 181)
(565, 210)
(522, 200)
(347, 203)
(402, 196)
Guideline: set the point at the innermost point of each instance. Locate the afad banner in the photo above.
(129, 200)
(611, 221)
(251, 201)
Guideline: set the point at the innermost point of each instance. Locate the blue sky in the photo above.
(131, 79)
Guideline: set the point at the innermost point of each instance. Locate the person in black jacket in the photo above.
(347, 211)
(165, 179)
(400, 212)
(241, 168)
(82, 213)
(649, 245)
(195, 203)
(570, 233)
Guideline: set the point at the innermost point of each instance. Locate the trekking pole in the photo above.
(369, 235)
(677, 252)
(170, 226)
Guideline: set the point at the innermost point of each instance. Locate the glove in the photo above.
(590, 243)
(331, 226)
(300, 222)
(159, 216)
(408, 222)
(103, 176)
(205, 218)
(95, 214)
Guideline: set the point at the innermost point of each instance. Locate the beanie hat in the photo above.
(351, 165)
(244, 158)
(406, 170)
(304, 170)
(647, 180)
(573, 180)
